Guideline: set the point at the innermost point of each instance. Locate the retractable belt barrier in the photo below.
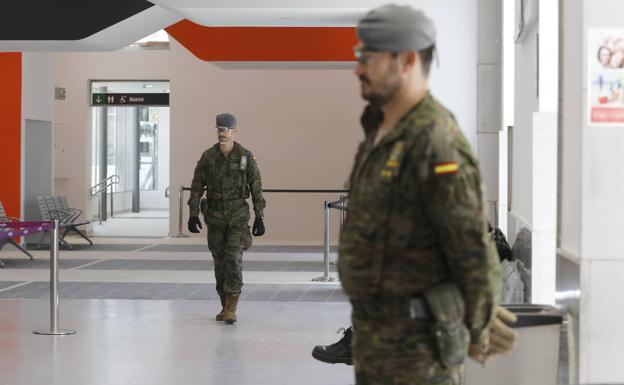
(17, 228)
(340, 204)
(12, 228)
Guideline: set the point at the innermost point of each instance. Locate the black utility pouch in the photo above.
(451, 335)
(203, 205)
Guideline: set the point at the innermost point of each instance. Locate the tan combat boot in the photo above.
(229, 315)
(221, 315)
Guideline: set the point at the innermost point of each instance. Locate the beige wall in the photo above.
(301, 124)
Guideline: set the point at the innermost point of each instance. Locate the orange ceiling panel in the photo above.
(265, 43)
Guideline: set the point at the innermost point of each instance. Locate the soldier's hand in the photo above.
(258, 227)
(478, 353)
(194, 224)
(502, 337)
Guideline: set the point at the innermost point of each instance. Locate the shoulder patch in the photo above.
(446, 168)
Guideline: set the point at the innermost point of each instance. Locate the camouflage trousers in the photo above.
(227, 243)
(398, 352)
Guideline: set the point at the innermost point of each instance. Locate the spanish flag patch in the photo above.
(446, 168)
(392, 163)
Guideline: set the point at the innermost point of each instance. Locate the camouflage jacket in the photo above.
(416, 217)
(226, 179)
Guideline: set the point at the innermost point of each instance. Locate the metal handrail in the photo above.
(114, 180)
(102, 189)
(108, 182)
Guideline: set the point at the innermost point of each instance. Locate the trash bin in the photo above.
(534, 361)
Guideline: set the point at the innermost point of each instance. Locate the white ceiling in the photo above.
(273, 13)
(273, 17)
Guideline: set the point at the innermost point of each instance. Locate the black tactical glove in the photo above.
(258, 227)
(193, 224)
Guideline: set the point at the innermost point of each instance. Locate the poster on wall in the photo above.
(605, 74)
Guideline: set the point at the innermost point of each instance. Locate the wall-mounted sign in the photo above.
(605, 77)
(152, 99)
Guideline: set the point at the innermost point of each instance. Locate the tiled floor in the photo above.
(144, 311)
(148, 222)
(141, 342)
(161, 264)
(173, 291)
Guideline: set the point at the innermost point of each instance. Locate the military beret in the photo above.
(226, 120)
(396, 28)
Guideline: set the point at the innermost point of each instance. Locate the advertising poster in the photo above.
(605, 73)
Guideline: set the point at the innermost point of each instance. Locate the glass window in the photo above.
(124, 125)
(148, 148)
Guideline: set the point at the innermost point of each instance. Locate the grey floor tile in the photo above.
(337, 296)
(200, 265)
(316, 294)
(5, 284)
(254, 249)
(80, 246)
(261, 293)
(290, 293)
(64, 263)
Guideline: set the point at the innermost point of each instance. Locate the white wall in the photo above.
(301, 124)
(489, 101)
(37, 86)
(37, 101)
(572, 118)
(526, 104)
(534, 174)
(455, 81)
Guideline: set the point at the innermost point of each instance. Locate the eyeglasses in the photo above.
(365, 55)
(225, 130)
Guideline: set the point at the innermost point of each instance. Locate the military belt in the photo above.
(405, 308)
(225, 204)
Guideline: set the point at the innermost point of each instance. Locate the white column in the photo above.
(489, 101)
(601, 359)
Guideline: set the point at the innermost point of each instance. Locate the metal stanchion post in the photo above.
(111, 195)
(54, 288)
(343, 215)
(327, 241)
(100, 209)
(180, 234)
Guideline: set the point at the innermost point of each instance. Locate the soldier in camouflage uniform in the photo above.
(415, 258)
(228, 172)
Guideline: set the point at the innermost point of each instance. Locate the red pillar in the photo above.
(11, 131)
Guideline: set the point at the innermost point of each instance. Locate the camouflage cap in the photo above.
(396, 28)
(226, 120)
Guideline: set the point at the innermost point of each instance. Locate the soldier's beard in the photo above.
(386, 93)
